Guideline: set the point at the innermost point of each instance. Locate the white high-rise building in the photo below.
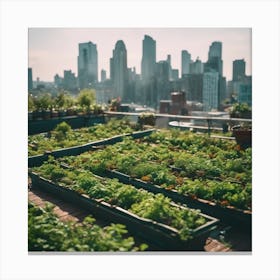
(87, 65)
(210, 96)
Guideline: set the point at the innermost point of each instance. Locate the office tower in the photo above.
(185, 63)
(58, 81)
(118, 69)
(238, 70)
(169, 64)
(162, 77)
(87, 65)
(192, 84)
(210, 93)
(103, 75)
(174, 74)
(242, 90)
(215, 50)
(215, 61)
(148, 62)
(222, 95)
(69, 80)
(196, 67)
(30, 79)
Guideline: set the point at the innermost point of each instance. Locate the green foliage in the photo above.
(43, 101)
(63, 136)
(208, 169)
(47, 233)
(64, 100)
(138, 201)
(86, 98)
(147, 119)
(61, 131)
(31, 104)
(241, 110)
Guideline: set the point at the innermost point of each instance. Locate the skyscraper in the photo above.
(215, 61)
(185, 62)
(30, 79)
(238, 69)
(148, 62)
(119, 73)
(103, 75)
(87, 65)
(196, 67)
(215, 50)
(69, 80)
(210, 92)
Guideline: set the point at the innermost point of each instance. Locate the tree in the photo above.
(64, 100)
(31, 104)
(43, 101)
(86, 98)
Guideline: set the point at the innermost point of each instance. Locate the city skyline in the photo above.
(60, 47)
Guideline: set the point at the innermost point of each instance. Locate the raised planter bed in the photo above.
(38, 125)
(76, 150)
(227, 214)
(164, 236)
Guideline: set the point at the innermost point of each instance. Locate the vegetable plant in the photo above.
(47, 233)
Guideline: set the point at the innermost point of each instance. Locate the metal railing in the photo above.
(211, 123)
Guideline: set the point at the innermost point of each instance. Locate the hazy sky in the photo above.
(53, 50)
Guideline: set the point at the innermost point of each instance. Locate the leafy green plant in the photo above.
(241, 110)
(138, 201)
(86, 98)
(61, 131)
(47, 233)
(62, 136)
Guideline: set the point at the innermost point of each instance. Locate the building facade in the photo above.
(87, 65)
(148, 62)
(215, 61)
(118, 70)
(30, 79)
(210, 91)
(69, 80)
(238, 69)
(185, 62)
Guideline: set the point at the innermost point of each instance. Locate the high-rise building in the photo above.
(242, 90)
(215, 61)
(103, 75)
(87, 65)
(30, 79)
(69, 80)
(162, 77)
(58, 81)
(174, 74)
(148, 62)
(238, 69)
(192, 84)
(119, 72)
(196, 67)
(170, 67)
(210, 93)
(215, 50)
(185, 62)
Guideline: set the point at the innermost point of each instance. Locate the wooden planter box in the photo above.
(161, 235)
